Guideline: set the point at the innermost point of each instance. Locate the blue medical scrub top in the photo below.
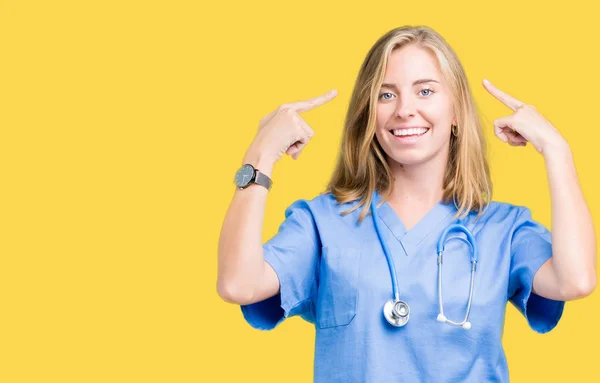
(333, 273)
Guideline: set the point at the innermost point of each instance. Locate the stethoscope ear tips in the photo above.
(442, 318)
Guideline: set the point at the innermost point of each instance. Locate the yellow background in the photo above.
(123, 123)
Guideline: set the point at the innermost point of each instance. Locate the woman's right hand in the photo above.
(284, 131)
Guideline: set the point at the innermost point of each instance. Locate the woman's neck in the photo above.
(421, 185)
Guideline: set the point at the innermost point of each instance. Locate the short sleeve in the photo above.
(531, 247)
(294, 254)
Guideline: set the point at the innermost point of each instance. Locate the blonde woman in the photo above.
(405, 264)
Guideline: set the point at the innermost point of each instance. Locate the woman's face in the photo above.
(414, 108)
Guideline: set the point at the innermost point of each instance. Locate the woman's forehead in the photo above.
(409, 64)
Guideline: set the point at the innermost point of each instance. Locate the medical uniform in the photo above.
(333, 273)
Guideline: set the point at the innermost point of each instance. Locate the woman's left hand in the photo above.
(524, 125)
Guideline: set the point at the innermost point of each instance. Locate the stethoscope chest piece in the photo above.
(396, 312)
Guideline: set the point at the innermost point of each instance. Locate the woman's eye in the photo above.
(428, 90)
(383, 95)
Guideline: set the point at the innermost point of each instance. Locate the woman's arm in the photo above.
(571, 272)
(244, 275)
(241, 261)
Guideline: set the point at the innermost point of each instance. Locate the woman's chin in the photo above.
(409, 159)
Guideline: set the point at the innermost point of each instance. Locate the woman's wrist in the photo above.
(261, 162)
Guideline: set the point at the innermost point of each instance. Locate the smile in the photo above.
(408, 135)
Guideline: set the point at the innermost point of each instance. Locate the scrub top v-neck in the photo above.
(333, 273)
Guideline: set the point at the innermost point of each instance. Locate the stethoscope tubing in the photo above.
(386, 250)
(470, 240)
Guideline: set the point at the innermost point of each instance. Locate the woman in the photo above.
(412, 154)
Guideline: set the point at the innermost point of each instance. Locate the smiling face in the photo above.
(414, 113)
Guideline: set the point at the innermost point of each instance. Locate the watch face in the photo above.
(244, 175)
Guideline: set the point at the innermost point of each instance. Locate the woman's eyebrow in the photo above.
(420, 81)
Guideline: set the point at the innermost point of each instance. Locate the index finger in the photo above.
(305, 105)
(505, 98)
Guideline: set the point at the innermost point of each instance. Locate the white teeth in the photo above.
(408, 132)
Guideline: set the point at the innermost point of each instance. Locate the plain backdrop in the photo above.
(123, 123)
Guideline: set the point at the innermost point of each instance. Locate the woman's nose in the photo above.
(405, 108)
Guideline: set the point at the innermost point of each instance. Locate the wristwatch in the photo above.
(248, 175)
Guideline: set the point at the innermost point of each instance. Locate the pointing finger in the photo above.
(306, 105)
(504, 97)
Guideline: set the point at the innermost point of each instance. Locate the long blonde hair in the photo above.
(362, 166)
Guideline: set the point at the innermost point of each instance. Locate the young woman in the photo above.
(404, 264)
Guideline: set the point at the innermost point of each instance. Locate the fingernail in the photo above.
(486, 81)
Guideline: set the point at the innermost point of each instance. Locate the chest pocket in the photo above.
(338, 286)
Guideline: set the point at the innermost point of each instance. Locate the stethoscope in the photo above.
(396, 311)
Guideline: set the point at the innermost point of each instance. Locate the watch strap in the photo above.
(262, 179)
